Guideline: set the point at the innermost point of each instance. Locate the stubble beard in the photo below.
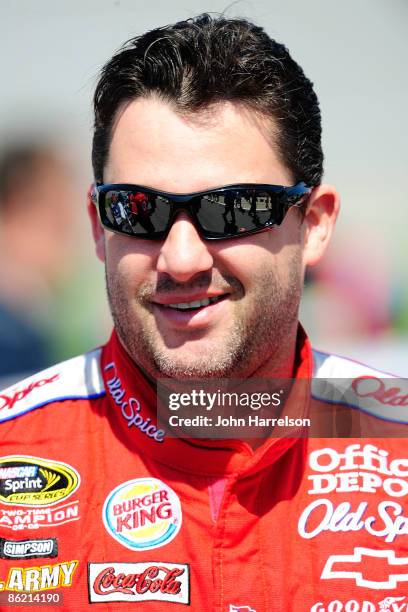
(257, 335)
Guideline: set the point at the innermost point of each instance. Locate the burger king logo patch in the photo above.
(142, 514)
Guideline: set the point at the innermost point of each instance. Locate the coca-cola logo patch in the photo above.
(147, 581)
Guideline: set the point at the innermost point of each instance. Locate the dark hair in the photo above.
(196, 63)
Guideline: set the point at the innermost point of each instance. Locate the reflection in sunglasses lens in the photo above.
(219, 214)
(231, 212)
(136, 212)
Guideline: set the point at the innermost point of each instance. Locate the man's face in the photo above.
(253, 283)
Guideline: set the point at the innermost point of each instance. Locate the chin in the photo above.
(170, 366)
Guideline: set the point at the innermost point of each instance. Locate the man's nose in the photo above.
(184, 253)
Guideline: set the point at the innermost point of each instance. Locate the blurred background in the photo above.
(52, 286)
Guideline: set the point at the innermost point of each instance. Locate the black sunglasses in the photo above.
(225, 212)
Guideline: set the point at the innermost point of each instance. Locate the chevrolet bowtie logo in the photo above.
(361, 561)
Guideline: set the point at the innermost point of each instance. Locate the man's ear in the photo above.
(97, 229)
(321, 214)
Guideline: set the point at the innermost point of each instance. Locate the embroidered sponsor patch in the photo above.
(147, 581)
(358, 568)
(28, 549)
(365, 468)
(42, 578)
(18, 519)
(77, 378)
(16, 394)
(359, 468)
(130, 407)
(142, 514)
(352, 605)
(33, 481)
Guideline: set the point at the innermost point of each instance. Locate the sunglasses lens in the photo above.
(222, 213)
(233, 212)
(136, 213)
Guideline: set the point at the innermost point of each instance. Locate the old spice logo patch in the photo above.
(42, 578)
(33, 481)
(15, 395)
(371, 386)
(76, 378)
(130, 407)
(147, 581)
(142, 514)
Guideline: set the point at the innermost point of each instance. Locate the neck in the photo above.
(282, 363)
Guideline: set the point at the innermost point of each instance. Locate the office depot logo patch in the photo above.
(42, 578)
(147, 581)
(142, 514)
(33, 481)
(28, 549)
(365, 468)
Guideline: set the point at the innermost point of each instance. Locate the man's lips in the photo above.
(190, 312)
(190, 301)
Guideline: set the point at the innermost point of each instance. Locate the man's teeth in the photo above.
(195, 304)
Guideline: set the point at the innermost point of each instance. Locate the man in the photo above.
(102, 503)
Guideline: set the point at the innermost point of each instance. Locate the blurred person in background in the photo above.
(353, 284)
(35, 235)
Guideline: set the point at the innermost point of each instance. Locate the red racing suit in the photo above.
(101, 510)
